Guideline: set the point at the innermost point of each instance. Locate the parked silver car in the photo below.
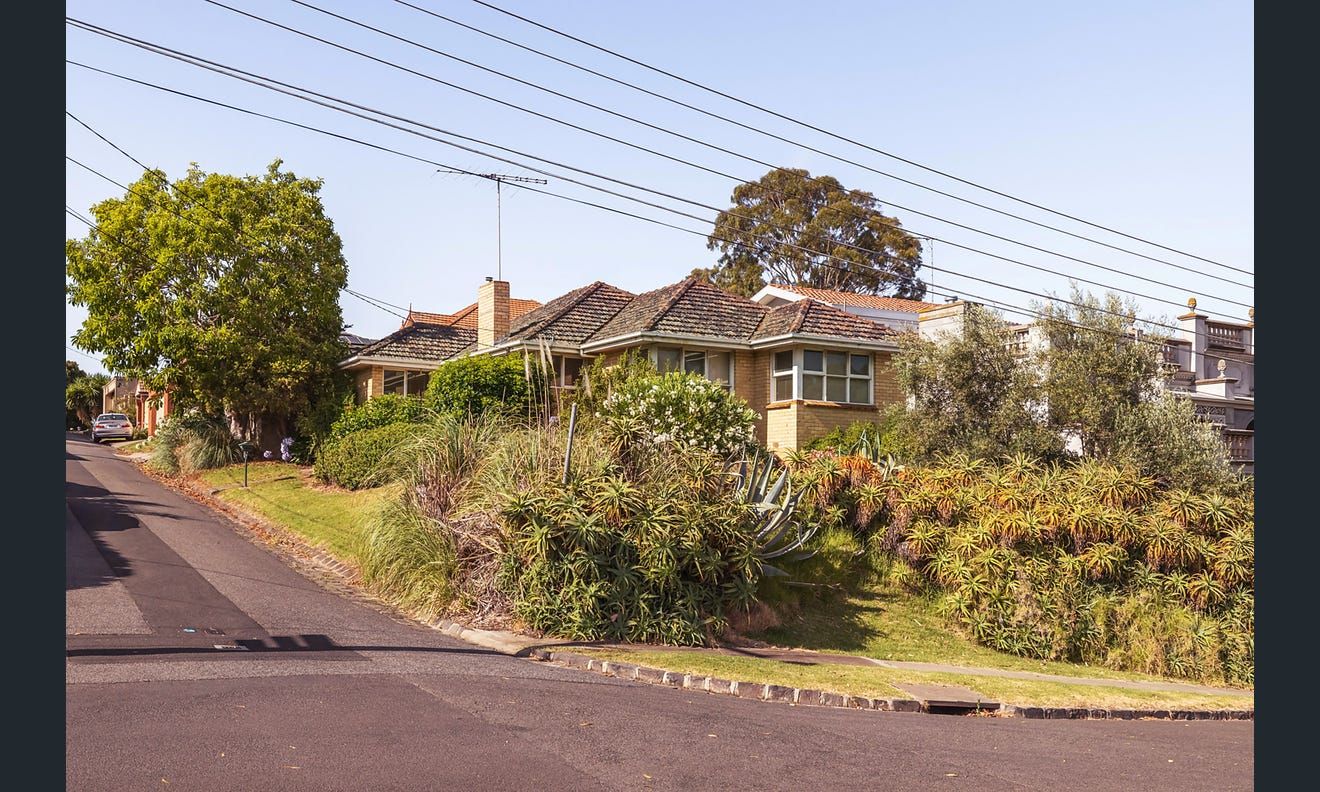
(109, 425)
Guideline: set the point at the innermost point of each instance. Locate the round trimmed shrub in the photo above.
(478, 385)
(355, 460)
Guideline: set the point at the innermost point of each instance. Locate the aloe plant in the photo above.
(778, 534)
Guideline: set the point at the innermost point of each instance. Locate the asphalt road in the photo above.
(329, 693)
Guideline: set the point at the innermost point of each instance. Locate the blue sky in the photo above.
(1131, 114)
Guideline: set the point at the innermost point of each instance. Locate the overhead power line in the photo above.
(731, 177)
(256, 80)
(845, 139)
(305, 94)
(799, 144)
(1007, 306)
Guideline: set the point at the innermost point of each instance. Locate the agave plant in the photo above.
(778, 534)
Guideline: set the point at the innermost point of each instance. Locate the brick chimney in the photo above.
(492, 312)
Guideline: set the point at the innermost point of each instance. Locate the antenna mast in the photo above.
(499, 179)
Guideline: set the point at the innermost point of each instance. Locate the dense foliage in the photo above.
(82, 396)
(682, 409)
(971, 393)
(642, 540)
(1093, 369)
(225, 288)
(355, 460)
(798, 229)
(477, 385)
(188, 442)
(1087, 563)
(383, 410)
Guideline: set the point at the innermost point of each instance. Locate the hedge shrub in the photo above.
(354, 461)
(389, 408)
(478, 385)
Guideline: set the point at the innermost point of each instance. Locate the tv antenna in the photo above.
(499, 179)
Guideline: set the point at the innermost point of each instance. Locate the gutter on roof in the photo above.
(371, 360)
(604, 345)
(791, 338)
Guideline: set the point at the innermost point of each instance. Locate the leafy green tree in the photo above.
(1094, 368)
(224, 289)
(798, 230)
(72, 371)
(1163, 438)
(82, 397)
(970, 393)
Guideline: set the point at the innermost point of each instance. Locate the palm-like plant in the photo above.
(1103, 560)
(1205, 590)
(1217, 513)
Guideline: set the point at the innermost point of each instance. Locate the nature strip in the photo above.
(821, 698)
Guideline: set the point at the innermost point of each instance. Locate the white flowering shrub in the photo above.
(681, 408)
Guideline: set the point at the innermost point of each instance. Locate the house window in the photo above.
(395, 382)
(668, 359)
(833, 376)
(567, 371)
(416, 383)
(406, 383)
(782, 382)
(713, 365)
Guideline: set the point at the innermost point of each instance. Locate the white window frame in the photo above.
(776, 373)
(408, 376)
(799, 371)
(653, 354)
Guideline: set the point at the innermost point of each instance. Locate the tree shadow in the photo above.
(839, 623)
(275, 644)
(97, 513)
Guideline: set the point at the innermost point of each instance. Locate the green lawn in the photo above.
(879, 682)
(282, 493)
(887, 624)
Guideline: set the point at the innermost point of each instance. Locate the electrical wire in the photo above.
(731, 177)
(1007, 306)
(851, 141)
(270, 83)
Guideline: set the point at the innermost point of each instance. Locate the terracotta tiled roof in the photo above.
(424, 343)
(810, 317)
(837, 297)
(692, 307)
(467, 317)
(572, 318)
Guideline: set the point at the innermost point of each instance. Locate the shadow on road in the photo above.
(281, 644)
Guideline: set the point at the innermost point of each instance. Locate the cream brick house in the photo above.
(804, 366)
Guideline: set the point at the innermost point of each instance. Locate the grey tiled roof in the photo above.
(354, 341)
(810, 317)
(691, 307)
(424, 343)
(572, 318)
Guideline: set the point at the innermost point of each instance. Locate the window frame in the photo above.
(653, 354)
(409, 375)
(798, 371)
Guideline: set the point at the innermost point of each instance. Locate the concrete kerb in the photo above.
(531, 648)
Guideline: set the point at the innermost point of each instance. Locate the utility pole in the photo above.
(499, 179)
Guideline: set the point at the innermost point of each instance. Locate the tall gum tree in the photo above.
(224, 289)
(793, 228)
